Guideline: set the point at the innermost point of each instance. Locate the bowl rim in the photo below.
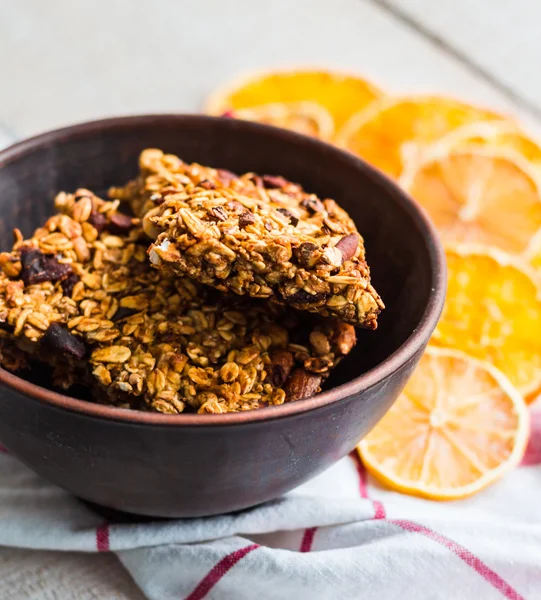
(414, 343)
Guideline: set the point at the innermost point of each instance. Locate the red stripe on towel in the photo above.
(361, 471)
(102, 538)
(532, 456)
(379, 510)
(308, 539)
(463, 553)
(218, 571)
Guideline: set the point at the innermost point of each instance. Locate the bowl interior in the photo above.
(97, 155)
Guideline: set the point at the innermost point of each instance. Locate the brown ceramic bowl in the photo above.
(192, 465)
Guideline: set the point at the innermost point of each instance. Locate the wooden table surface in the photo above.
(63, 62)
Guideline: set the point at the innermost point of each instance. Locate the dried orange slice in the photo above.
(308, 118)
(392, 133)
(457, 427)
(534, 253)
(479, 195)
(505, 135)
(493, 312)
(340, 94)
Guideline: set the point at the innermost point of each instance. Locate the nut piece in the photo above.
(218, 213)
(274, 181)
(246, 218)
(344, 337)
(348, 246)
(320, 343)
(301, 385)
(308, 254)
(332, 256)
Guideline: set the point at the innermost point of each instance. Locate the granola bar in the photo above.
(82, 292)
(260, 236)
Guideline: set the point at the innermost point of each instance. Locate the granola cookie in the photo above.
(264, 237)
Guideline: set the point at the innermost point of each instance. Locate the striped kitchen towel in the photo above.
(338, 536)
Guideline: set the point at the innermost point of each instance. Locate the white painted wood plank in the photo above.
(69, 61)
(36, 575)
(6, 137)
(501, 36)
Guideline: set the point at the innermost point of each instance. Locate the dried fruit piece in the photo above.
(58, 339)
(120, 223)
(341, 94)
(69, 283)
(98, 220)
(122, 312)
(497, 135)
(303, 299)
(458, 426)
(282, 362)
(395, 133)
(479, 195)
(492, 310)
(308, 118)
(38, 267)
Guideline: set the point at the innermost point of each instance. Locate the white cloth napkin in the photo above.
(337, 536)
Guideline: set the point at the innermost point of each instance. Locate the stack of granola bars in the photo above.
(221, 293)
